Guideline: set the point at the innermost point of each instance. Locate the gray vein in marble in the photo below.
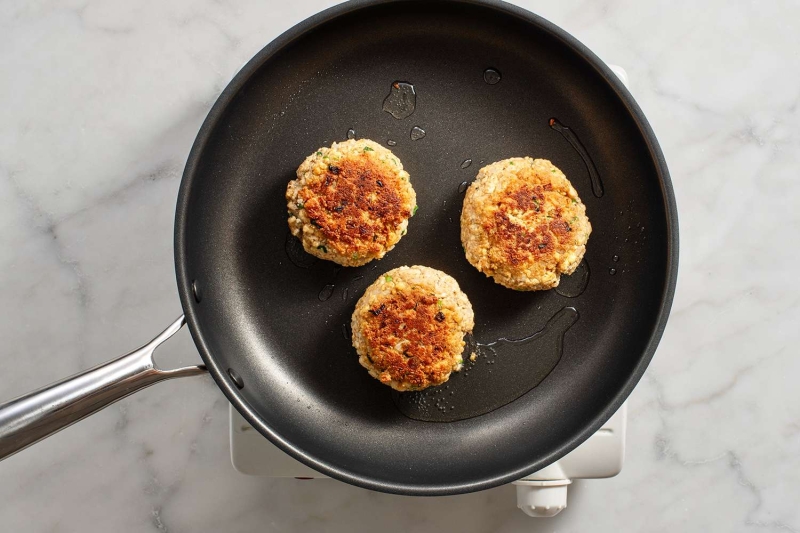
(158, 493)
(665, 451)
(43, 223)
(157, 521)
(102, 102)
(744, 481)
(166, 170)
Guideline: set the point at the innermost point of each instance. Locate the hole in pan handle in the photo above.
(36, 415)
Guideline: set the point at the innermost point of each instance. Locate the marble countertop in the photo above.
(100, 104)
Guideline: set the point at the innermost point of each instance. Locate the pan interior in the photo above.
(280, 326)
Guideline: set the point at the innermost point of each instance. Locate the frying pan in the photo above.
(268, 320)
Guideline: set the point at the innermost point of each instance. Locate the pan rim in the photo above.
(373, 482)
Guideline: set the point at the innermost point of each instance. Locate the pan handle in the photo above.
(39, 414)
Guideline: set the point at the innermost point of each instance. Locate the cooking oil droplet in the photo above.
(417, 133)
(522, 364)
(466, 163)
(326, 292)
(569, 135)
(346, 331)
(297, 255)
(401, 101)
(573, 285)
(612, 271)
(391, 142)
(463, 187)
(615, 258)
(344, 294)
(491, 76)
(351, 133)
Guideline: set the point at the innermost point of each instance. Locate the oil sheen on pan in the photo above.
(503, 370)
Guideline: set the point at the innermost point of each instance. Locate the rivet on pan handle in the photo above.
(36, 415)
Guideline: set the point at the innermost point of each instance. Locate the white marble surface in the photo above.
(99, 104)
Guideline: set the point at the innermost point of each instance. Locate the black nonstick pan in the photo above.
(491, 81)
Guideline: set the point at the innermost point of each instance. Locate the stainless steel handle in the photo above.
(39, 414)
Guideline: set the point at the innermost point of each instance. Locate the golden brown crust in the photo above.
(356, 205)
(524, 224)
(409, 326)
(540, 235)
(350, 203)
(413, 319)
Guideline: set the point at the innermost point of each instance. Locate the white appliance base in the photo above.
(541, 494)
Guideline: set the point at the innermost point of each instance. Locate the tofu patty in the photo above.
(523, 224)
(351, 202)
(409, 327)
